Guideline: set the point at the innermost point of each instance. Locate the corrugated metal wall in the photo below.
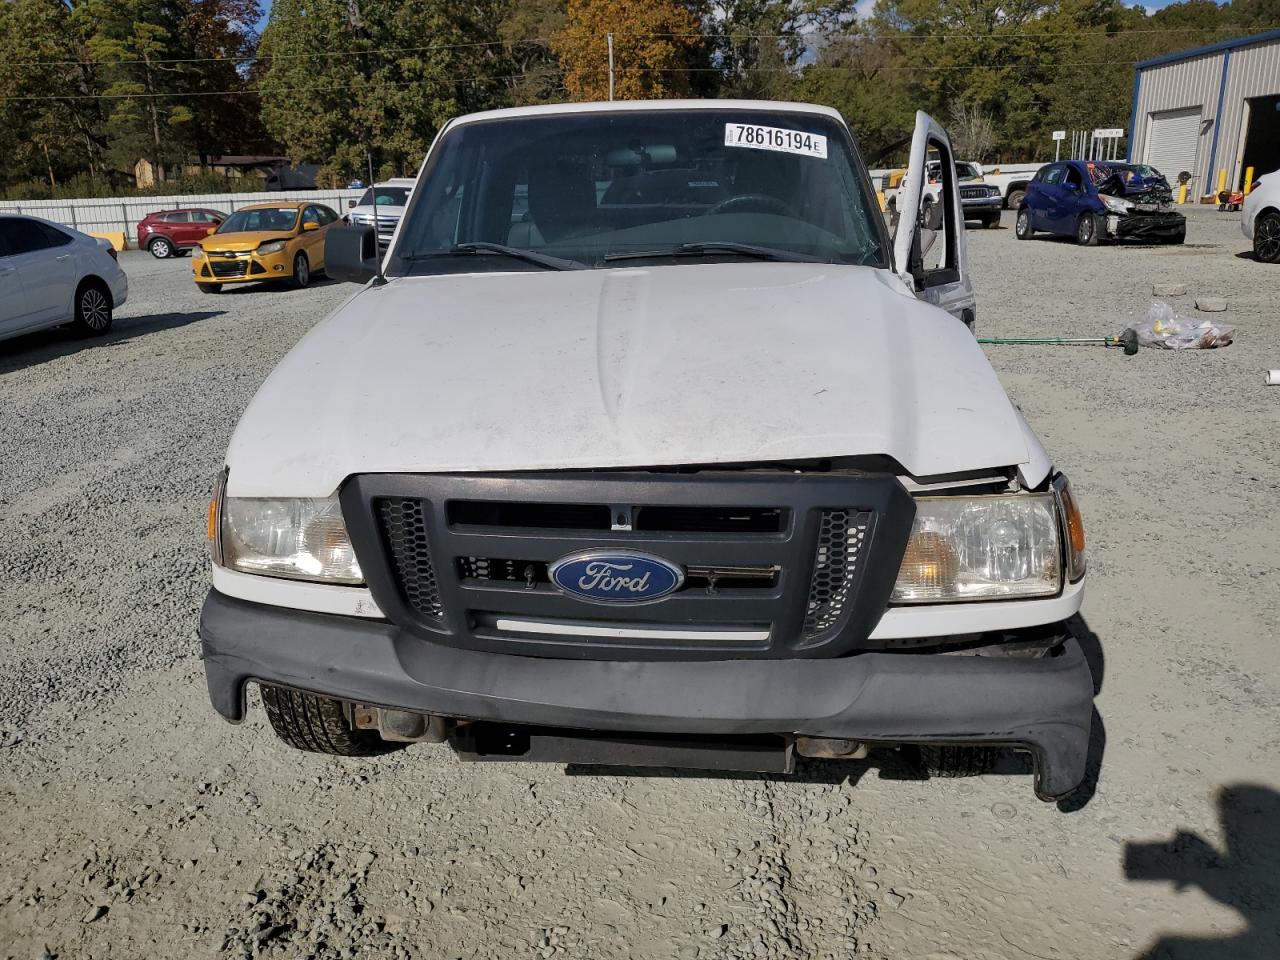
(1174, 86)
(1253, 72)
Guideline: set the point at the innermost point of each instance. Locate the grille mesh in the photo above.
(404, 525)
(841, 537)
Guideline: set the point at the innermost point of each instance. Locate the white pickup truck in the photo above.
(646, 444)
(1010, 179)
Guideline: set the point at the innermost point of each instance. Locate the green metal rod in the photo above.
(1128, 340)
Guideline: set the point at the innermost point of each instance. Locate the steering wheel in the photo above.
(753, 201)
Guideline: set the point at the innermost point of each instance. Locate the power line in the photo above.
(545, 42)
(477, 78)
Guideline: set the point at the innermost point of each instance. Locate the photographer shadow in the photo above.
(1243, 876)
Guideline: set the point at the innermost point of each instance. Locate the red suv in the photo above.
(168, 233)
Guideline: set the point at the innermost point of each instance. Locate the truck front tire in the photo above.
(318, 724)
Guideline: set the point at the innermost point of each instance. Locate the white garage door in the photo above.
(1171, 146)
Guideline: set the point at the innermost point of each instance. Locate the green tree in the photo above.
(758, 43)
(344, 78)
(133, 43)
(859, 75)
(49, 129)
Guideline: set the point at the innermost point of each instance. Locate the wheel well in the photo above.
(92, 280)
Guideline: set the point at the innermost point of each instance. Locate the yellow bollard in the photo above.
(1248, 180)
(1182, 193)
(1222, 180)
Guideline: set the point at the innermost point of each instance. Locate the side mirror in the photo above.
(211, 231)
(350, 204)
(309, 226)
(351, 253)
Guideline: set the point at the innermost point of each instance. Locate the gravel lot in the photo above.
(138, 824)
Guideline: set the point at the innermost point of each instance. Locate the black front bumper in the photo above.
(1043, 705)
(983, 207)
(1150, 225)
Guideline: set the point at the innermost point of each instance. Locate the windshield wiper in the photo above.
(516, 253)
(704, 247)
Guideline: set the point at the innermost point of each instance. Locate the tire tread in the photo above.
(318, 724)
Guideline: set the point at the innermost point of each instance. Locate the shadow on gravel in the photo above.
(271, 286)
(1242, 876)
(890, 764)
(45, 345)
(1091, 646)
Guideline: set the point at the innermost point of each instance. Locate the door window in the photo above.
(326, 215)
(1053, 174)
(24, 236)
(937, 231)
(311, 215)
(1072, 179)
(180, 216)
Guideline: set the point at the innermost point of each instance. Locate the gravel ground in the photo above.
(138, 824)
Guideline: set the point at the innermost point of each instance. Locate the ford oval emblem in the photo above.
(607, 576)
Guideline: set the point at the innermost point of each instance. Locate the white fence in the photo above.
(118, 214)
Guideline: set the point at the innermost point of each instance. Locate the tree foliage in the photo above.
(655, 46)
(89, 87)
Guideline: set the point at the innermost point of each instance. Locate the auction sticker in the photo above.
(756, 137)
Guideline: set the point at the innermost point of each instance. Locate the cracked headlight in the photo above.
(981, 548)
(197, 253)
(274, 246)
(1115, 204)
(302, 539)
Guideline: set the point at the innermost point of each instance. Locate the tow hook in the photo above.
(830, 748)
(401, 726)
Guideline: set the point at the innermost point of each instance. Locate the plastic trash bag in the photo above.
(1167, 329)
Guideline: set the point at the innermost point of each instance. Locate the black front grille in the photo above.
(973, 193)
(836, 566)
(464, 560)
(231, 269)
(405, 528)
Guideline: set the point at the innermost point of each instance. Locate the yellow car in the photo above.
(264, 241)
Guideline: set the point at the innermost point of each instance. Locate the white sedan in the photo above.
(1260, 217)
(51, 274)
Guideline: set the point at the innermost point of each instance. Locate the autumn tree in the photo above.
(655, 44)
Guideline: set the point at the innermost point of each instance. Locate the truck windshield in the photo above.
(386, 197)
(597, 188)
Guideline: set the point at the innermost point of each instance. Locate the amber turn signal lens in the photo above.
(1075, 532)
(213, 519)
(928, 564)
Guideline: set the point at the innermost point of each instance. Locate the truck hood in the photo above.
(689, 364)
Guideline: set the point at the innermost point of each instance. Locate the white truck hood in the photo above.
(705, 363)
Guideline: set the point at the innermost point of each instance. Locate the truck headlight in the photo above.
(1115, 204)
(272, 246)
(981, 548)
(301, 539)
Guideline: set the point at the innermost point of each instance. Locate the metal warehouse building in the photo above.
(1210, 108)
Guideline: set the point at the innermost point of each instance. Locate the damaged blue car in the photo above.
(1097, 200)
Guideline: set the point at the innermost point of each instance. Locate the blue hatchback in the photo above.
(1100, 200)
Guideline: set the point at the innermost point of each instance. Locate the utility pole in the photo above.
(610, 36)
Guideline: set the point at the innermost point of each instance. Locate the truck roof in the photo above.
(617, 106)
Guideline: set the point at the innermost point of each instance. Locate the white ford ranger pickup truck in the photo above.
(646, 444)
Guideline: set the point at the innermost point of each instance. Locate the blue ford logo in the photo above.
(608, 577)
